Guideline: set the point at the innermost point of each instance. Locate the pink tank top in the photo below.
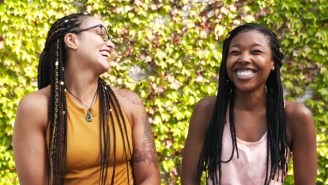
(250, 167)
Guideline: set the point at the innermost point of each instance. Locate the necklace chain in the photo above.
(89, 116)
(94, 97)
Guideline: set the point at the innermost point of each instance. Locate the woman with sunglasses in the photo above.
(77, 129)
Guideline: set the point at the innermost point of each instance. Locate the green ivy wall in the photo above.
(168, 52)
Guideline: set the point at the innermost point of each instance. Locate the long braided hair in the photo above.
(277, 147)
(51, 72)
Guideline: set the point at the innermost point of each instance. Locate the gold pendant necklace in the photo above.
(88, 117)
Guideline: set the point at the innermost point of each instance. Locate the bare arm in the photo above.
(29, 140)
(144, 152)
(303, 143)
(194, 143)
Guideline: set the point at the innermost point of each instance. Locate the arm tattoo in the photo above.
(148, 151)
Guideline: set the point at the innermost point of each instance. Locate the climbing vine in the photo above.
(168, 52)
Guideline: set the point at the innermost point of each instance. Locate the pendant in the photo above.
(88, 118)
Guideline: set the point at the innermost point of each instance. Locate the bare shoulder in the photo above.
(206, 103)
(198, 126)
(205, 106)
(297, 113)
(29, 138)
(35, 100)
(33, 108)
(202, 112)
(127, 96)
(299, 121)
(302, 141)
(297, 108)
(131, 103)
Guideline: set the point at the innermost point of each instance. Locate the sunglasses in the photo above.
(103, 31)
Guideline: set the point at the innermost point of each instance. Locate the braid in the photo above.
(109, 110)
(277, 148)
(277, 137)
(57, 108)
(122, 126)
(57, 31)
(51, 72)
(211, 155)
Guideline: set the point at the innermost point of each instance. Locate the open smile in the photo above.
(105, 53)
(244, 74)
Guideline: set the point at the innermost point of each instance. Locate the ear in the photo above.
(70, 40)
(272, 65)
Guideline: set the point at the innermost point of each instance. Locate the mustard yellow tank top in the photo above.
(83, 148)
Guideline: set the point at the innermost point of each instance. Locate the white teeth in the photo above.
(245, 73)
(105, 53)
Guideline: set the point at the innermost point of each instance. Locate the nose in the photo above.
(110, 44)
(245, 58)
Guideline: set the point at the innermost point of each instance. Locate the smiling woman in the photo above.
(249, 60)
(77, 129)
(247, 133)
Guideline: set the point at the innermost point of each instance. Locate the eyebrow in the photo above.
(253, 45)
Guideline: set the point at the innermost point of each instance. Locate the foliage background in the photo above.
(168, 52)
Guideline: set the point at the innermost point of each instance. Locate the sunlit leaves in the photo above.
(169, 53)
(23, 27)
(304, 36)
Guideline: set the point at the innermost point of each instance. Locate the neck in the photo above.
(250, 101)
(81, 85)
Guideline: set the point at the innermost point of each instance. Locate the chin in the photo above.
(104, 66)
(104, 70)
